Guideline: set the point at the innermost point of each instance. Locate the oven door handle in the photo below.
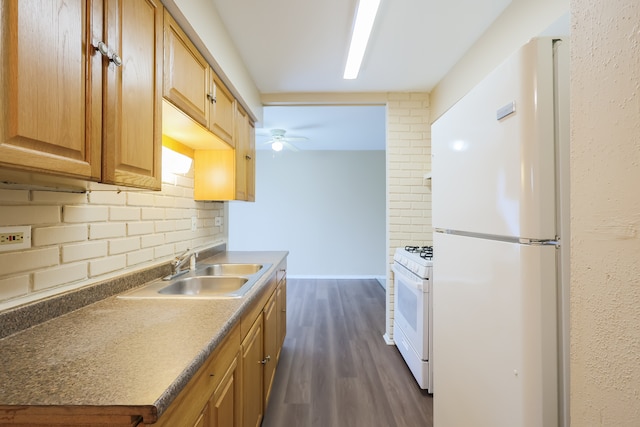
(407, 277)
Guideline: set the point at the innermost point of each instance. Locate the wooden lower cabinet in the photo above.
(281, 310)
(224, 408)
(252, 375)
(270, 319)
(248, 357)
(230, 389)
(194, 406)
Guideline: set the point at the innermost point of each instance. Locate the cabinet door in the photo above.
(186, 73)
(252, 376)
(203, 420)
(222, 110)
(270, 345)
(132, 117)
(281, 309)
(242, 142)
(50, 87)
(224, 407)
(214, 175)
(251, 162)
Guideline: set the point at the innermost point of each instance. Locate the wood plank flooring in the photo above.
(335, 368)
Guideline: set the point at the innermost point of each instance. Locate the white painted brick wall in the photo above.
(106, 230)
(82, 238)
(408, 197)
(29, 214)
(47, 236)
(15, 286)
(51, 277)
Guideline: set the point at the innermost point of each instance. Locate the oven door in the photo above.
(411, 309)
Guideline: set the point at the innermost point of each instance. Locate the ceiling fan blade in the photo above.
(296, 138)
(290, 146)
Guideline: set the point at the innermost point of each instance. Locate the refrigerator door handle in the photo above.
(538, 242)
(521, 240)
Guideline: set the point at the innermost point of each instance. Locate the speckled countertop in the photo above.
(119, 352)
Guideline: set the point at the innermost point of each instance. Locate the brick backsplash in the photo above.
(408, 195)
(82, 238)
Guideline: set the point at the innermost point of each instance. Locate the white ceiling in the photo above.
(292, 46)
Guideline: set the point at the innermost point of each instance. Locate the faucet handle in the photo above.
(183, 254)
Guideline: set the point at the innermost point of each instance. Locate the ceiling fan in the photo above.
(279, 141)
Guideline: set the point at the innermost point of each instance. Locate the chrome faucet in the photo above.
(179, 261)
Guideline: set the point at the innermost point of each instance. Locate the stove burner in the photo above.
(424, 251)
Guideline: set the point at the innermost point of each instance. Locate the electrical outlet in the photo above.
(217, 221)
(194, 223)
(15, 238)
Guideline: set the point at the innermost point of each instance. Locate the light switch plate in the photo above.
(217, 221)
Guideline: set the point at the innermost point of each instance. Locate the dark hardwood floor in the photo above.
(335, 368)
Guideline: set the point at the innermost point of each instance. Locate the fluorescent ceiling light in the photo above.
(365, 16)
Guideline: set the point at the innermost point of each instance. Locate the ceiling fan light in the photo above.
(365, 16)
(277, 146)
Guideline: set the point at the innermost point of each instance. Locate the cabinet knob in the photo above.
(104, 50)
(247, 157)
(117, 61)
(211, 98)
(265, 360)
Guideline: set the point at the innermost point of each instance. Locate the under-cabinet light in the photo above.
(174, 162)
(365, 16)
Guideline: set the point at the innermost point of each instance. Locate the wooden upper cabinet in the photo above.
(245, 156)
(186, 73)
(242, 145)
(251, 163)
(68, 109)
(191, 84)
(132, 119)
(50, 92)
(222, 110)
(228, 174)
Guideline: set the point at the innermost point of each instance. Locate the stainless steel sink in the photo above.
(229, 269)
(205, 285)
(208, 281)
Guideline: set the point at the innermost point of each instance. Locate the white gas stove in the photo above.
(413, 310)
(416, 259)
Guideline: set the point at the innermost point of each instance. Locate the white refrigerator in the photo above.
(500, 268)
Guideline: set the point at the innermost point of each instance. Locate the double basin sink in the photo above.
(207, 281)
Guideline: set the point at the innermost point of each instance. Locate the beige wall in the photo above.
(605, 205)
(521, 20)
(82, 238)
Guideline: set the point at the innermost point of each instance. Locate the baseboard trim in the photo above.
(388, 340)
